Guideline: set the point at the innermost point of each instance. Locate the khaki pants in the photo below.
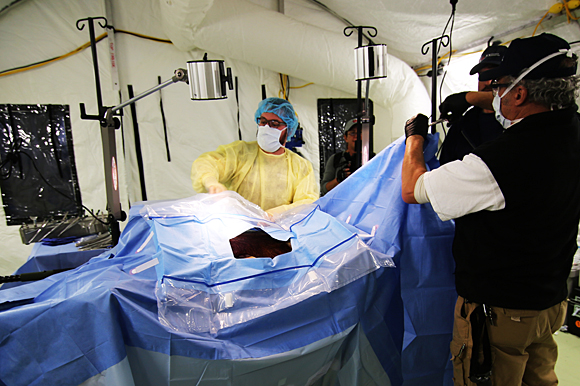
(523, 349)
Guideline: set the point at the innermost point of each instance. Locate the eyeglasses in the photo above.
(273, 123)
(495, 86)
(352, 133)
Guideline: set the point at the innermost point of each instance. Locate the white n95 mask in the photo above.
(269, 138)
(498, 115)
(497, 99)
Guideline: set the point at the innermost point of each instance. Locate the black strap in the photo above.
(480, 367)
(164, 122)
(336, 159)
(238, 107)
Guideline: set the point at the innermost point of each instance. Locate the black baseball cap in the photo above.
(491, 57)
(524, 53)
(350, 124)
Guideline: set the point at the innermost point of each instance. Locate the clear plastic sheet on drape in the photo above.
(204, 293)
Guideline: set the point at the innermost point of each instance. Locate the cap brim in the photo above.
(490, 63)
(476, 68)
(493, 73)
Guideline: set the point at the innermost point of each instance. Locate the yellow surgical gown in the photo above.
(274, 182)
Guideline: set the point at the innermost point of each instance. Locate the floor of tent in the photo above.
(568, 358)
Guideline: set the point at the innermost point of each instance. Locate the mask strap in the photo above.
(534, 66)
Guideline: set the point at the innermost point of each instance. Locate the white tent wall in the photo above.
(35, 30)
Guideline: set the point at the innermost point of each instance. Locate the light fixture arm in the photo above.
(108, 126)
(180, 75)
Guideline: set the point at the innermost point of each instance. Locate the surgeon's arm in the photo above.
(209, 169)
(413, 167)
(413, 161)
(453, 107)
(483, 99)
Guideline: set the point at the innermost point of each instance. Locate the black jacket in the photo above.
(470, 131)
(521, 256)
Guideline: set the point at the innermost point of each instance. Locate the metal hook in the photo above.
(360, 28)
(80, 28)
(349, 33)
(89, 19)
(425, 47)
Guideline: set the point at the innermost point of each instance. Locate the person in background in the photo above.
(337, 167)
(263, 171)
(477, 125)
(516, 220)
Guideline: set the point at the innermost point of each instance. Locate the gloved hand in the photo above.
(216, 188)
(342, 172)
(417, 125)
(454, 106)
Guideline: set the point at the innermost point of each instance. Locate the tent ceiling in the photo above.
(406, 25)
(6, 4)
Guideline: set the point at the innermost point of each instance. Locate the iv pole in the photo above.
(434, 50)
(365, 139)
(108, 126)
(115, 214)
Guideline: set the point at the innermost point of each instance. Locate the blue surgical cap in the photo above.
(283, 109)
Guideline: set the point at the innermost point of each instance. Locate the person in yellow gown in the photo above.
(264, 171)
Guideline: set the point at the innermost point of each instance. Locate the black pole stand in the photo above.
(115, 214)
(108, 126)
(434, 51)
(366, 133)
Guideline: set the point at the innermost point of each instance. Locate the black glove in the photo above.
(454, 106)
(417, 125)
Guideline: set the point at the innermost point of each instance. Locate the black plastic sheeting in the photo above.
(332, 116)
(38, 174)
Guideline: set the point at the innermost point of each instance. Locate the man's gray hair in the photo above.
(554, 93)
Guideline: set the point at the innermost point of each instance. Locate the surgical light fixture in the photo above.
(207, 80)
(370, 62)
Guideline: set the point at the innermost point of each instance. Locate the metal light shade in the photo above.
(207, 79)
(371, 62)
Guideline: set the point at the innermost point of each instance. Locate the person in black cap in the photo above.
(477, 125)
(516, 220)
(338, 166)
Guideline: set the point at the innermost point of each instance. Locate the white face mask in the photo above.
(498, 115)
(497, 98)
(269, 138)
